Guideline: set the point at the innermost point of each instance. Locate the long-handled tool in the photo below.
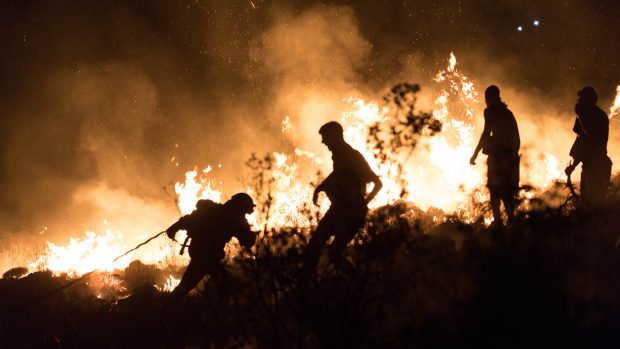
(72, 282)
(140, 245)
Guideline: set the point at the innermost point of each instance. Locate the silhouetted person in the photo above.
(590, 147)
(346, 189)
(211, 226)
(500, 141)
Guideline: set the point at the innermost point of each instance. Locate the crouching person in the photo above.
(210, 226)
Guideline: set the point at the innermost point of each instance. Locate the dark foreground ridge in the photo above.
(551, 279)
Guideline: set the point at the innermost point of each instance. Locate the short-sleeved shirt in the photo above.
(501, 144)
(503, 132)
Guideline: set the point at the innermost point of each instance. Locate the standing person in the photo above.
(500, 141)
(590, 147)
(346, 189)
(211, 226)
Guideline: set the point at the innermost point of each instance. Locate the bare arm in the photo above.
(377, 185)
(483, 137)
(321, 187)
(571, 166)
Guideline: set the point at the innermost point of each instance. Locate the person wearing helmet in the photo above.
(346, 189)
(210, 226)
(500, 141)
(590, 147)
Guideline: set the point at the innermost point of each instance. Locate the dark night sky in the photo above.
(95, 94)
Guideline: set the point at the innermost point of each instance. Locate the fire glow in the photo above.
(615, 108)
(81, 256)
(437, 175)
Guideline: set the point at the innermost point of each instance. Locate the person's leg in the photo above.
(512, 188)
(341, 240)
(317, 242)
(510, 206)
(586, 184)
(193, 274)
(218, 277)
(599, 180)
(495, 209)
(494, 182)
(345, 230)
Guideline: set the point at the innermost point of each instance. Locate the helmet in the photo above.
(243, 201)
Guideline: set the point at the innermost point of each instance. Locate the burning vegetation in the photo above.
(426, 270)
(421, 157)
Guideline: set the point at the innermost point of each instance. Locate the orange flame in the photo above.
(438, 175)
(82, 256)
(615, 108)
(169, 285)
(195, 188)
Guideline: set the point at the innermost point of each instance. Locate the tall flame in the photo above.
(437, 174)
(442, 176)
(195, 188)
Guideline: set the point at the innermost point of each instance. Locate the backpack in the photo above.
(204, 217)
